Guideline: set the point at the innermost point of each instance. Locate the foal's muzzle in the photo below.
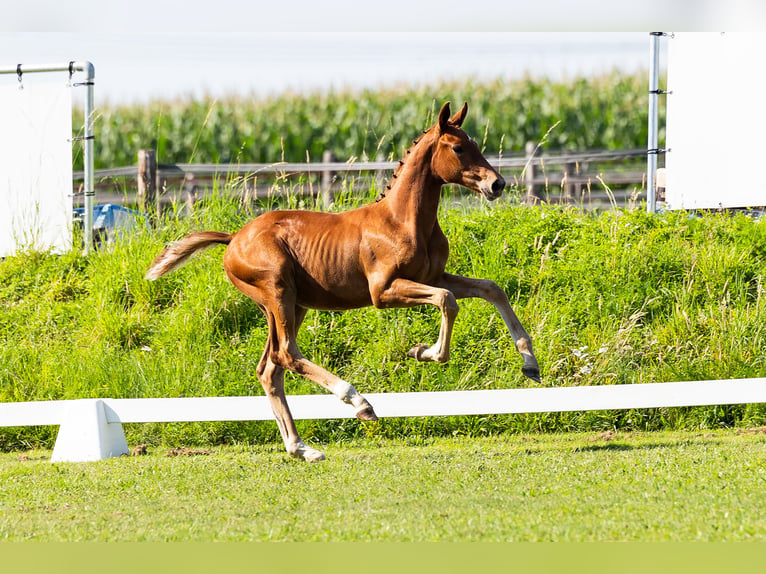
(493, 190)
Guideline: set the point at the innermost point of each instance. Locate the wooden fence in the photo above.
(589, 179)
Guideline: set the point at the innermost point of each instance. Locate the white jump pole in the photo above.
(91, 429)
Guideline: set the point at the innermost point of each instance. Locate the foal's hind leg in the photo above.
(464, 287)
(285, 318)
(272, 378)
(289, 356)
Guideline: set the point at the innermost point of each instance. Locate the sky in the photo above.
(138, 68)
(252, 16)
(144, 50)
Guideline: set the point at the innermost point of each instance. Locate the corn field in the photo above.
(607, 112)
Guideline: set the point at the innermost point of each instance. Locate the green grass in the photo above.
(608, 298)
(680, 486)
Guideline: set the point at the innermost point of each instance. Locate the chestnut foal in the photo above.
(390, 253)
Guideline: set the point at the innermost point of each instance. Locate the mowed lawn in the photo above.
(681, 486)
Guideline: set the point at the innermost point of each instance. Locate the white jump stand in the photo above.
(85, 434)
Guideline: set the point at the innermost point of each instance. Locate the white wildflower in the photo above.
(580, 352)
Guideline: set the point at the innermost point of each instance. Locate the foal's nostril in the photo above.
(498, 185)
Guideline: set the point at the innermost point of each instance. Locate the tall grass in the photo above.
(608, 298)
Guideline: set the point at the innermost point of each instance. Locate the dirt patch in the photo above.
(25, 457)
(756, 430)
(606, 435)
(186, 451)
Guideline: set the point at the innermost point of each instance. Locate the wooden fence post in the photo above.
(566, 172)
(570, 189)
(530, 171)
(327, 177)
(189, 192)
(147, 184)
(380, 180)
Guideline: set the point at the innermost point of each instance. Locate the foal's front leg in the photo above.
(464, 287)
(406, 293)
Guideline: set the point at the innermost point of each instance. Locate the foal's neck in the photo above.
(414, 192)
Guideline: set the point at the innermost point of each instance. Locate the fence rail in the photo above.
(563, 177)
(91, 429)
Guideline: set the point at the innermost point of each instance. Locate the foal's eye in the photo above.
(457, 148)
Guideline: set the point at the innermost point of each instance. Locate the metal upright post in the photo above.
(88, 135)
(652, 146)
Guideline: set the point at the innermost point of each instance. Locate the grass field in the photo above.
(680, 486)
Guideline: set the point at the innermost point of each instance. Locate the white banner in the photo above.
(715, 121)
(35, 167)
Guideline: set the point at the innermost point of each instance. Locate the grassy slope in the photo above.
(680, 486)
(618, 297)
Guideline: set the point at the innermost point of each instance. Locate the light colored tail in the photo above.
(177, 254)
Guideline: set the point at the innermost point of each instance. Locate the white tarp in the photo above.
(715, 121)
(35, 167)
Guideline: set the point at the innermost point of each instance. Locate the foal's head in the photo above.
(457, 159)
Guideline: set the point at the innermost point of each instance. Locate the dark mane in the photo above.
(402, 162)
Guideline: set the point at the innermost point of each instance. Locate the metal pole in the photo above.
(90, 188)
(652, 146)
(88, 135)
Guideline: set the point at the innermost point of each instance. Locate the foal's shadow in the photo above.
(618, 445)
(611, 446)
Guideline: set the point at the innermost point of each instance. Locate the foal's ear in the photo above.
(443, 117)
(457, 119)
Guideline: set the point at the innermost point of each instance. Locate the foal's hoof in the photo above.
(532, 373)
(425, 353)
(306, 453)
(417, 352)
(313, 455)
(366, 414)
